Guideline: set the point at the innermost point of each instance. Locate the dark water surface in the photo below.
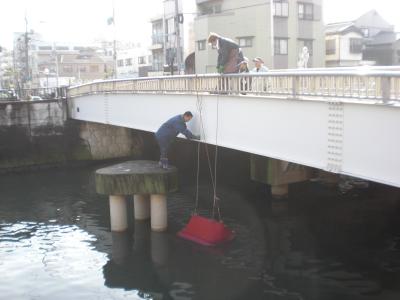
(55, 243)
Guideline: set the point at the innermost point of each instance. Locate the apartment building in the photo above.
(51, 64)
(6, 69)
(276, 32)
(164, 47)
(131, 60)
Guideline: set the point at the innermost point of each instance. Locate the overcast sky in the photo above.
(84, 20)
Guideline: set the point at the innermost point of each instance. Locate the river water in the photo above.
(55, 243)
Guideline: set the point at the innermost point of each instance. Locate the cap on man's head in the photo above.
(212, 36)
(258, 59)
(244, 61)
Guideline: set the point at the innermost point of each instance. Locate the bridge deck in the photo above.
(283, 116)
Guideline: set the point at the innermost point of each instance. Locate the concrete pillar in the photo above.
(118, 213)
(158, 212)
(279, 191)
(141, 207)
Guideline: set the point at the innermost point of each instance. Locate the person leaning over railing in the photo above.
(229, 53)
(229, 57)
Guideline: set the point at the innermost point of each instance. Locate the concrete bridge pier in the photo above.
(278, 174)
(159, 218)
(280, 190)
(141, 207)
(118, 215)
(144, 179)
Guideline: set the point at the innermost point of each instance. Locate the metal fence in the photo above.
(43, 93)
(378, 84)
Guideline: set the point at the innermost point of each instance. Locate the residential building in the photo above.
(372, 23)
(6, 69)
(368, 40)
(344, 45)
(130, 61)
(56, 64)
(166, 50)
(383, 49)
(295, 24)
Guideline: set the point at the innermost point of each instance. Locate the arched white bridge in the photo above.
(343, 121)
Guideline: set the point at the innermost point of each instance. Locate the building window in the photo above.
(67, 69)
(281, 46)
(45, 48)
(62, 48)
(356, 45)
(94, 69)
(201, 45)
(365, 32)
(306, 43)
(120, 62)
(217, 9)
(306, 11)
(209, 9)
(157, 38)
(281, 8)
(330, 47)
(141, 60)
(169, 28)
(246, 41)
(128, 62)
(82, 69)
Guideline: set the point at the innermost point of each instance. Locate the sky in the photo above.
(83, 21)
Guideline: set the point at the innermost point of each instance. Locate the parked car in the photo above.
(35, 98)
(8, 95)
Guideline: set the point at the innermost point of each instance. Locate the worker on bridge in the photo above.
(169, 130)
(229, 53)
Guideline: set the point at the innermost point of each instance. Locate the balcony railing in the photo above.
(157, 39)
(373, 84)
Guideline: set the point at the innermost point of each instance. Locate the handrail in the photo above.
(357, 83)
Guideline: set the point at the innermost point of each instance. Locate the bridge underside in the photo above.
(356, 138)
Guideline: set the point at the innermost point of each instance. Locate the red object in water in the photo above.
(206, 231)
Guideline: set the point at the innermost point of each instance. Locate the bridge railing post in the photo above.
(385, 87)
(295, 86)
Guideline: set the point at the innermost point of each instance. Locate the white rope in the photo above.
(199, 104)
(216, 199)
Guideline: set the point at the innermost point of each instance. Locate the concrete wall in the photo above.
(106, 141)
(38, 134)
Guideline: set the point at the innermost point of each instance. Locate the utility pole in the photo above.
(56, 61)
(272, 33)
(177, 37)
(114, 42)
(27, 71)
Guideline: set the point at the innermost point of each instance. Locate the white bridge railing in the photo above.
(372, 83)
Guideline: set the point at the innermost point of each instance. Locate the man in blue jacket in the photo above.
(169, 130)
